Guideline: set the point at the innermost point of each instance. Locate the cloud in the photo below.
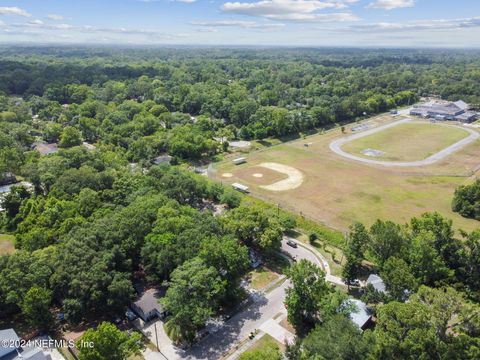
(182, 1)
(441, 24)
(13, 11)
(391, 4)
(55, 17)
(64, 29)
(292, 10)
(207, 30)
(238, 23)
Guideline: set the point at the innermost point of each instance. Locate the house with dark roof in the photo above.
(148, 307)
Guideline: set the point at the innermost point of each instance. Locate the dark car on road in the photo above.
(292, 243)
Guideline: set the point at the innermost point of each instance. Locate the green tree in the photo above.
(36, 307)
(357, 243)
(109, 343)
(193, 296)
(466, 200)
(338, 338)
(70, 137)
(303, 299)
(399, 280)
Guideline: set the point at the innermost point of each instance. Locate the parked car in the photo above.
(292, 243)
(130, 315)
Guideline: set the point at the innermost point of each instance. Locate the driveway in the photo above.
(336, 147)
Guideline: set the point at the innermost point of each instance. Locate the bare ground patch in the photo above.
(294, 177)
(251, 175)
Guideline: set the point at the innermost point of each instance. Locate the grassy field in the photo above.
(408, 141)
(337, 192)
(6, 244)
(265, 343)
(267, 273)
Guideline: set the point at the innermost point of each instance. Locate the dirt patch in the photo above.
(287, 326)
(293, 181)
(251, 175)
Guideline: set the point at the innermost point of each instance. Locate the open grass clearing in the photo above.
(266, 274)
(407, 142)
(6, 244)
(267, 342)
(261, 277)
(337, 192)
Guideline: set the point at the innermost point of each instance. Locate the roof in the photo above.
(26, 353)
(240, 186)
(442, 108)
(361, 315)
(44, 148)
(162, 159)
(376, 282)
(148, 302)
(461, 104)
(9, 335)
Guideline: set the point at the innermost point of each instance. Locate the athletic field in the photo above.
(337, 191)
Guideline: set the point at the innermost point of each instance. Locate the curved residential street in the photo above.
(336, 147)
(258, 315)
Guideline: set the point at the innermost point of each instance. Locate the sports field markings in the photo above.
(293, 181)
(336, 147)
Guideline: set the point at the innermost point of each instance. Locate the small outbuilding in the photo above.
(240, 187)
(162, 159)
(361, 316)
(239, 161)
(377, 283)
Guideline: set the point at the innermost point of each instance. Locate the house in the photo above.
(240, 187)
(239, 161)
(377, 283)
(9, 336)
(444, 110)
(148, 306)
(361, 316)
(44, 148)
(162, 159)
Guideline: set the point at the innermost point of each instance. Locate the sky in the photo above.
(332, 23)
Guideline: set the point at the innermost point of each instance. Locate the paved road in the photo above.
(256, 315)
(336, 146)
(308, 252)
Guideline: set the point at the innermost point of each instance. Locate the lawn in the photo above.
(266, 342)
(337, 192)
(267, 273)
(407, 141)
(6, 244)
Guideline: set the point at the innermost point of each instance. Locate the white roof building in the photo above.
(377, 283)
